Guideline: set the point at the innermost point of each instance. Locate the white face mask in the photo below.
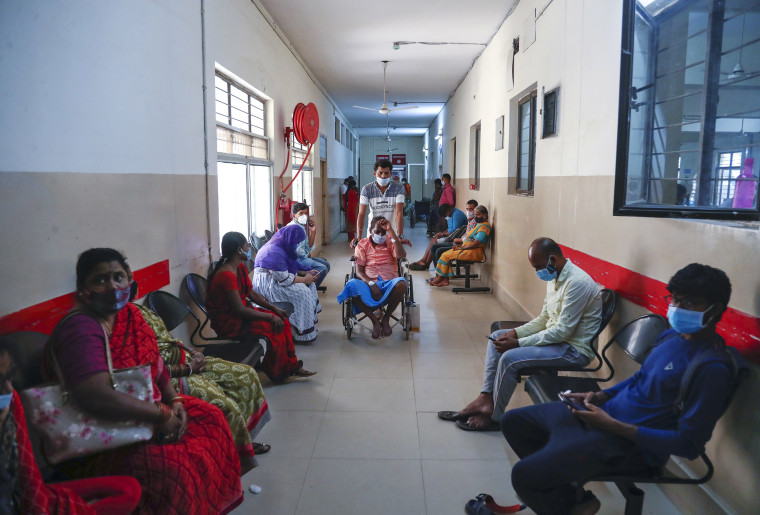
(383, 181)
(470, 214)
(378, 239)
(302, 219)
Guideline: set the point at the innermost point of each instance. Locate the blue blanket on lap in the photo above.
(357, 287)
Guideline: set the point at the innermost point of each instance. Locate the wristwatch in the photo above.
(393, 240)
(371, 283)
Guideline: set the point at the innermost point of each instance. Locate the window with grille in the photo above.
(240, 120)
(526, 144)
(689, 121)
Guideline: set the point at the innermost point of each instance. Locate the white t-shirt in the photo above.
(382, 204)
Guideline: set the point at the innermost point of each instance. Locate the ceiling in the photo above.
(344, 41)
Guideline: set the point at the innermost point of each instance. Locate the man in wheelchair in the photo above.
(376, 282)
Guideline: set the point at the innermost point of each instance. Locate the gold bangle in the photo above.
(176, 399)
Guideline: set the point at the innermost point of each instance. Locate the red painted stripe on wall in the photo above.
(740, 330)
(42, 317)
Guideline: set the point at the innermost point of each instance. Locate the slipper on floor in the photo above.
(484, 504)
(491, 426)
(452, 416)
(261, 448)
(418, 267)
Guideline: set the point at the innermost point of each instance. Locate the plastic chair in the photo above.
(247, 350)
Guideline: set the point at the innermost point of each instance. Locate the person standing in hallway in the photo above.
(448, 194)
(560, 335)
(352, 209)
(384, 198)
(434, 203)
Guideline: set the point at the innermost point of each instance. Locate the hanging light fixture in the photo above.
(738, 70)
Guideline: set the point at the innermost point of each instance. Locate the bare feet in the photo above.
(387, 331)
(482, 405)
(478, 421)
(443, 282)
(434, 280)
(377, 330)
(302, 372)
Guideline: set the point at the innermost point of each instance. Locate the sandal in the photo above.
(302, 372)
(418, 267)
(261, 448)
(452, 416)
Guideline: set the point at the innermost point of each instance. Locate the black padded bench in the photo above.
(467, 275)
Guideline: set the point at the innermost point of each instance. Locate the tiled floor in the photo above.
(362, 435)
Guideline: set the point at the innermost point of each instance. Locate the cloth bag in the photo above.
(64, 431)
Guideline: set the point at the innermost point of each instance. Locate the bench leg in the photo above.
(634, 497)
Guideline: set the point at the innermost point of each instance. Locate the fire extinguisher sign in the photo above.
(399, 159)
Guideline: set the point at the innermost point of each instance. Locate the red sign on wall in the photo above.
(399, 159)
(378, 157)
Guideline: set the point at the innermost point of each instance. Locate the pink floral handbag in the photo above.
(64, 431)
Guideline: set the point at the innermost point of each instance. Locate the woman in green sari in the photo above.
(232, 387)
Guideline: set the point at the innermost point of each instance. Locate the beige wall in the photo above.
(577, 48)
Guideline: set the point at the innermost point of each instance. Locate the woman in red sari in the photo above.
(193, 467)
(352, 209)
(229, 301)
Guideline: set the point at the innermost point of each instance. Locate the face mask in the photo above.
(383, 181)
(302, 219)
(378, 239)
(448, 218)
(480, 219)
(247, 254)
(470, 215)
(685, 321)
(5, 400)
(109, 301)
(548, 273)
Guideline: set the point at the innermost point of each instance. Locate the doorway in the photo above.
(325, 204)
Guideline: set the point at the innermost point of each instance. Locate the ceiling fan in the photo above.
(388, 136)
(384, 109)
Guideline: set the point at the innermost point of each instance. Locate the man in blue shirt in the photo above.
(305, 261)
(632, 427)
(455, 218)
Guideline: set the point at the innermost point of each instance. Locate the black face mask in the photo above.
(480, 219)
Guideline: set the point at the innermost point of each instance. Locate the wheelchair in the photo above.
(351, 319)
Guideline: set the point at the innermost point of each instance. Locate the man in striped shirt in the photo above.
(384, 198)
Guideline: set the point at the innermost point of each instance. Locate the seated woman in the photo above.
(472, 248)
(192, 464)
(275, 277)
(441, 242)
(229, 300)
(377, 282)
(234, 388)
(22, 489)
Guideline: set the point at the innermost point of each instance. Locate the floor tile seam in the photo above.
(303, 485)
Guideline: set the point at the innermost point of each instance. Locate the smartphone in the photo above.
(311, 222)
(491, 338)
(314, 273)
(572, 403)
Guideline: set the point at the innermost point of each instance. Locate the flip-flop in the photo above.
(261, 448)
(452, 416)
(484, 504)
(490, 426)
(418, 267)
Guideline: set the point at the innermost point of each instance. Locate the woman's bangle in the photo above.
(189, 369)
(164, 413)
(177, 399)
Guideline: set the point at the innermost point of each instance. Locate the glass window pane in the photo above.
(233, 198)
(261, 198)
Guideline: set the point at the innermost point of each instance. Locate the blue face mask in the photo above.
(246, 254)
(109, 301)
(548, 273)
(5, 400)
(686, 321)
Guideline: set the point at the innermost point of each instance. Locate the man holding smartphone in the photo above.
(560, 335)
(301, 218)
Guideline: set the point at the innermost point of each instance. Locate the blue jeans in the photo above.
(556, 449)
(500, 373)
(314, 263)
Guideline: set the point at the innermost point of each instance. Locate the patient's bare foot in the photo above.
(377, 330)
(386, 325)
(443, 282)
